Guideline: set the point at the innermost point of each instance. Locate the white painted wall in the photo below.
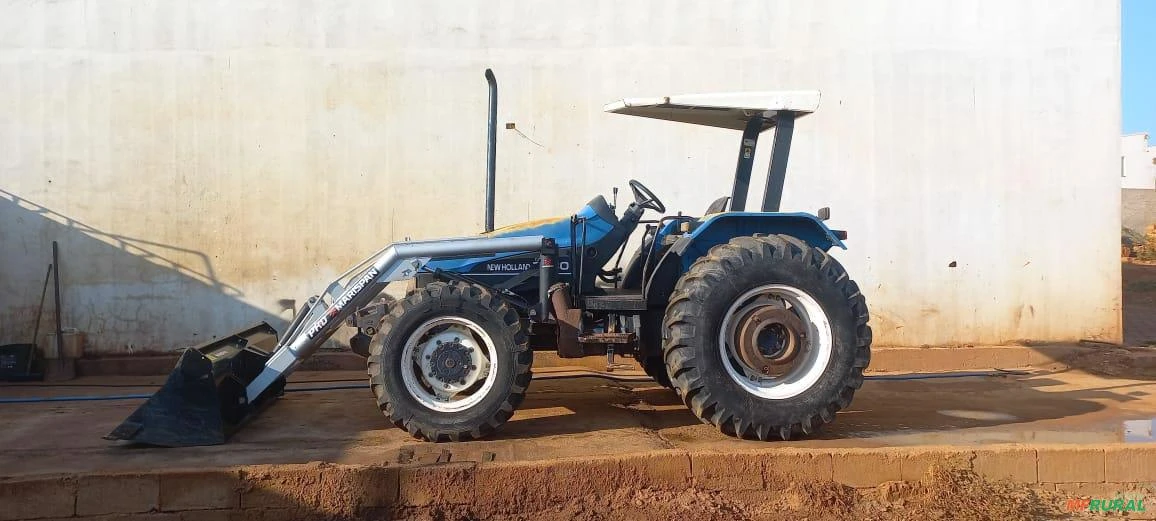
(200, 161)
(1137, 162)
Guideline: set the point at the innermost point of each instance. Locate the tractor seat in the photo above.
(718, 206)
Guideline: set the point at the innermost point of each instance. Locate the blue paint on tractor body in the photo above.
(706, 232)
(558, 229)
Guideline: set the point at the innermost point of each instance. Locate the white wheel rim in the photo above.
(814, 353)
(435, 392)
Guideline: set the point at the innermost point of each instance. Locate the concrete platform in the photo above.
(1062, 432)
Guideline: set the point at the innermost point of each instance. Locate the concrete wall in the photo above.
(201, 161)
(1137, 162)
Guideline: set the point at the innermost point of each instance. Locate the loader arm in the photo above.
(318, 320)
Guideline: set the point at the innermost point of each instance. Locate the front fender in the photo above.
(721, 228)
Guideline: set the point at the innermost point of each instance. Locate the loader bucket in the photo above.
(203, 400)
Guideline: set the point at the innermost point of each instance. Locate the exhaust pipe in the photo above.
(491, 148)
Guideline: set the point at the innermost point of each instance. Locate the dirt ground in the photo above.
(943, 493)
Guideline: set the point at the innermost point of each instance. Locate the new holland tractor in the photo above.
(743, 313)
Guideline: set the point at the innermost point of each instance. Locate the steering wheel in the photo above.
(644, 198)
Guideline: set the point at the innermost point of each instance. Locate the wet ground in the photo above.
(586, 416)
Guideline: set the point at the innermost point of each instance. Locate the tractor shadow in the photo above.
(971, 410)
(1040, 407)
(589, 405)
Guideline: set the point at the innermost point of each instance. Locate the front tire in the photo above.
(450, 363)
(766, 336)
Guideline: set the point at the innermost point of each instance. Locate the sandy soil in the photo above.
(943, 493)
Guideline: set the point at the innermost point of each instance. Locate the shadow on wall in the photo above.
(128, 295)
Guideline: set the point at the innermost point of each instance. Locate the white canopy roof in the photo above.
(725, 110)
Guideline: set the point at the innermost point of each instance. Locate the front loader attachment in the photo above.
(218, 386)
(203, 402)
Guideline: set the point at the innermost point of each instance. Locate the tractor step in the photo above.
(615, 302)
(608, 338)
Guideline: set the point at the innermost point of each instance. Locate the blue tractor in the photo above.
(744, 314)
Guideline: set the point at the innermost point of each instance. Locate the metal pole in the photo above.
(56, 290)
(40, 310)
(491, 148)
(777, 171)
(746, 161)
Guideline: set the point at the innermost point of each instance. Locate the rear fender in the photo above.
(721, 228)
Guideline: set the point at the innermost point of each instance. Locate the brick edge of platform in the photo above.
(336, 491)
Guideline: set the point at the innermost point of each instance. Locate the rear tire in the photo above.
(485, 346)
(821, 352)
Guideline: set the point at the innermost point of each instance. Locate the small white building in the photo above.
(1137, 162)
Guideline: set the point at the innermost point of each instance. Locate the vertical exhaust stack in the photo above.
(491, 148)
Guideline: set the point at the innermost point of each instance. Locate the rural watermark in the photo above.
(1114, 504)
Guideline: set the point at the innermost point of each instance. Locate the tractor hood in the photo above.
(725, 110)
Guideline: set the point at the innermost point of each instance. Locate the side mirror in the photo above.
(824, 213)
